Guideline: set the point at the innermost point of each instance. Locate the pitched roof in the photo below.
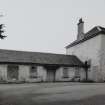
(11, 56)
(90, 34)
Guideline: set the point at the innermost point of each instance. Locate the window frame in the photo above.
(12, 68)
(65, 74)
(77, 72)
(33, 72)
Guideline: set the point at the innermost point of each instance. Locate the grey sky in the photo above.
(47, 25)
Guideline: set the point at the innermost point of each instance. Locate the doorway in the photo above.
(50, 75)
(51, 72)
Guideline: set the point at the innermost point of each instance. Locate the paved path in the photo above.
(53, 93)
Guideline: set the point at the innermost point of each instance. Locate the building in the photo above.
(90, 47)
(22, 66)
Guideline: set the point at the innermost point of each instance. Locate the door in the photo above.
(50, 75)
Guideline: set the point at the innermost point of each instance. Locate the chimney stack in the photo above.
(80, 29)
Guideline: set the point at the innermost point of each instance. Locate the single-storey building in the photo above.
(38, 67)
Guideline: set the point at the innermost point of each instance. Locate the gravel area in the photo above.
(53, 94)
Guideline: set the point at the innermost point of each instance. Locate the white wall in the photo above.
(42, 73)
(59, 74)
(25, 75)
(24, 72)
(3, 71)
(102, 56)
(89, 49)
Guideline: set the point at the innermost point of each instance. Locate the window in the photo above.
(65, 72)
(12, 72)
(33, 72)
(77, 72)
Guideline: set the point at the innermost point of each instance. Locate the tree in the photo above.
(2, 31)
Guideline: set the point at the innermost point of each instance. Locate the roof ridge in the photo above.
(33, 52)
(95, 27)
(22, 57)
(88, 35)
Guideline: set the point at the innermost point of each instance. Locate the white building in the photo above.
(23, 66)
(90, 47)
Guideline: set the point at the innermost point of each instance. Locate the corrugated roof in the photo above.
(90, 34)
(13, 56)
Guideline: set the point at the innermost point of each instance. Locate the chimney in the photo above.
(80, 29)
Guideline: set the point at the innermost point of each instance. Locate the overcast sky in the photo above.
(47, 25)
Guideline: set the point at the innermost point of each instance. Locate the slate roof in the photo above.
(90, 34)
(12, 56)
